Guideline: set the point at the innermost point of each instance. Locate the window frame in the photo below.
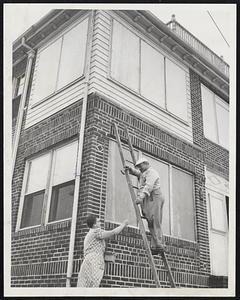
(171, 203)
(47, 192)
(225, 105)
(138, 93)
(212, 193)
(15, 95)
(16, 85)
(46, 45)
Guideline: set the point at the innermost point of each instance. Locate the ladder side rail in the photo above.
(130, 146)
(165, 261)
(133, 197)
(164, 258)
(134, 160)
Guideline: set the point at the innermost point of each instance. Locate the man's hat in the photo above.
(141, 160)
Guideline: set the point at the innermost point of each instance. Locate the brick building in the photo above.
(75, 72)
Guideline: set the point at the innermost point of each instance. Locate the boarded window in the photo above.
(152, 75)
(178, 209)
(61, 62)
(163, 171)
(142, 68)
(222, 122)
(215, 118)
(176, 90)
(125, 56)
(182, 204)
(119, 204)
(73, 54)
(47, 69)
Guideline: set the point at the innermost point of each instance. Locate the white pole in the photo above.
(79, 157)
(31, 54)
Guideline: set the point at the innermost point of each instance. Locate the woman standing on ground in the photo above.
(92, 267)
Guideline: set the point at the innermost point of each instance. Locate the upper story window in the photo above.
(19, 86)
(146, 71)
(215, 117)
(61, 62)
(18, 90)
(48, 187)
(176, 186)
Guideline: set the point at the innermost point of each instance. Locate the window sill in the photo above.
(56, 92)
(215, 143)
(44, 228)
(170, 241)
(186, 123)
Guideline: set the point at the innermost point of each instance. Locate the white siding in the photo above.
(99, 82)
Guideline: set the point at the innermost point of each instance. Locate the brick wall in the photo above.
(40, 253)
(189, 261)
(216, 157)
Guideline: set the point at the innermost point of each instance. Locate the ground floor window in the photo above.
(177, 187)
(48, 187)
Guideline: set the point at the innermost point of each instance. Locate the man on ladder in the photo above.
(151, 201)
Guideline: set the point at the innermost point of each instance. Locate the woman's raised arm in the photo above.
(109, 233)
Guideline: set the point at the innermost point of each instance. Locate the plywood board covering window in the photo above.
(61, 62)
(215, 117)
(125, 56)
(176, 187)
(152, 74)
(142, 68)
(176, 90)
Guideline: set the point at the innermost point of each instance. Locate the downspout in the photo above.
(31, 54)
(79, 155)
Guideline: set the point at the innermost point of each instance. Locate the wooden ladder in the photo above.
(137, 211)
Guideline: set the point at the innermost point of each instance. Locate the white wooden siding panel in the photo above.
(54, 104)
(72, 92)
(131, 103)
(145, 111)
(100, 83)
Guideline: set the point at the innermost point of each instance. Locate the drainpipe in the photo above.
(79, 156)
(31, 54)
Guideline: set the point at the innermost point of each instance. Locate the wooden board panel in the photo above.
(99, 82)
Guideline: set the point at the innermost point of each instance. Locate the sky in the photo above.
(194, 17)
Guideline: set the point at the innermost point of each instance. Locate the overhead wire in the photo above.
(218, 28)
